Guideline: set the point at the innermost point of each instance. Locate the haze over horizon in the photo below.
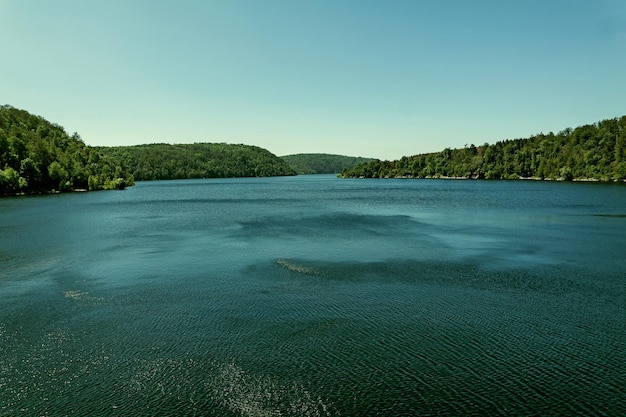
(360, 78)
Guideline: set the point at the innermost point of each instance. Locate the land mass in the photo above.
(322, 163)
(161, 161)
(37, 156)
(594, 152)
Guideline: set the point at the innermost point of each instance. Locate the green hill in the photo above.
(39, 156)
(589, 152)
(321, 163)
(161, 161)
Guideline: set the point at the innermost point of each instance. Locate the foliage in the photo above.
(39, 156)
(162, 161)
(322, 163)
(591, 152)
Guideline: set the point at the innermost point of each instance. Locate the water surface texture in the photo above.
(315, 296)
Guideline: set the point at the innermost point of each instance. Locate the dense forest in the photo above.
(322, 163)
(37, 156)
(590, 152)
(199, 160)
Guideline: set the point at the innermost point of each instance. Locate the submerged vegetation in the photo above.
(322, 163)
(37, 156)
(162, 161)
(589, 152)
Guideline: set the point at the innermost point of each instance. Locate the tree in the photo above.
(30, 171)
(9, 181)
(59, 175)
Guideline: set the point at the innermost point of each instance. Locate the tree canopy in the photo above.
(322, 163)
(589, 152)
(162, 161)
(39, 156)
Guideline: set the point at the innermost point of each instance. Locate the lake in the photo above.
(315, 296)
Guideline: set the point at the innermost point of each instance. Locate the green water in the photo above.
(314, 296)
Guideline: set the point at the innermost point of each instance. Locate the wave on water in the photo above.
(81, 297)
(298, 267)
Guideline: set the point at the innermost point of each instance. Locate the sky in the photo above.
(381, 79)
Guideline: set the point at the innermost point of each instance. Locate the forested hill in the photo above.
(589, 152)
(322, 163)
(199, 160)
(39, 156)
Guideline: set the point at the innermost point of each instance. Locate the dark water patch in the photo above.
(545, 280)
(11, 258)
(316, 328)
(346, 225)
(9, 231)
(614, 216)
(443, 353)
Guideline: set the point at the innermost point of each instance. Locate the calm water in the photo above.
(315, 296)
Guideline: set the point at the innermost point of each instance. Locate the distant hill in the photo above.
(321, 163)
(37, 156)
(589, 152)
(162, 161)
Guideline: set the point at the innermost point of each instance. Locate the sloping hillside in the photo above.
(39, 156)
(322, 163)
(161, 161)
(589, 152)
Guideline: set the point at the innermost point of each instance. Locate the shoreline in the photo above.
(444, 177)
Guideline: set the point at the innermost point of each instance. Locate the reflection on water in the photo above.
(313, 296)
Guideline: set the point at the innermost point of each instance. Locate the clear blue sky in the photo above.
(379, 79)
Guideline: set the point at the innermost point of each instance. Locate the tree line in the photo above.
(322, 163)
(161, 161)
(39, 156)
(590, 152)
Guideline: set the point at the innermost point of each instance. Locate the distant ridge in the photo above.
(322, 163)
(161, 161)
(595, 152)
